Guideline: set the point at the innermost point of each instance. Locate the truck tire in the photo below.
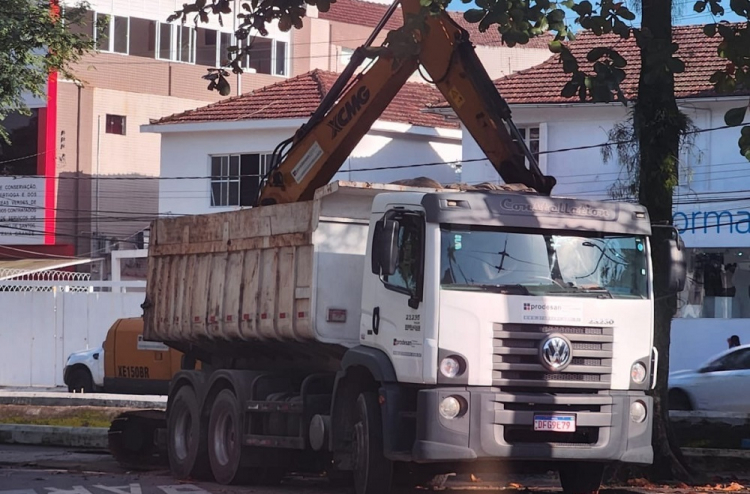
(186, 445)
(581, 477)
(373, 472)
(80, 381)
(225, 450)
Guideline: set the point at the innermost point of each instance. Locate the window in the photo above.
(266, 55)
(85, 26)
(19, 157)
(531, 137)
(211, 47)
(409, 267)
(718, 280)
(176, 43)
(737, 360)
(115, 37)
(142, 38)
(236, 179)
(115, 124)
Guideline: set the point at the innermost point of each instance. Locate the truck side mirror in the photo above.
(385, 247)
(674, 262)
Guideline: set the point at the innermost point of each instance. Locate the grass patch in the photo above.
(58, 416)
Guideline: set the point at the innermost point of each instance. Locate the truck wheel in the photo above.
(186, 446)
(225, 440)
(373, 472)
(581, 477)
(80, 381)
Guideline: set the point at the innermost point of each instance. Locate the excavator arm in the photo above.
(353, 104)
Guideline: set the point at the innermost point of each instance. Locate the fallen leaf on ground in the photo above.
(474, 478)
(513, 485)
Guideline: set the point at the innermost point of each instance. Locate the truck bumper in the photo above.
(499, 424)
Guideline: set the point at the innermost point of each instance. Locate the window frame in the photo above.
(273, 63)
(418, 293)
(124, 124)
(110, 32)
(175, 43)
(541, 157)
(264, 164)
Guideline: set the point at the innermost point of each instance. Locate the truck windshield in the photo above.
(609, 266)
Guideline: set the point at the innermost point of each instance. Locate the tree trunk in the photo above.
(658, 126)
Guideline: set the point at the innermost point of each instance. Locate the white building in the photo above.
(712, 209)
(217, 154)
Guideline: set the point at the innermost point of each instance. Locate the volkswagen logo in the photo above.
(555, 353)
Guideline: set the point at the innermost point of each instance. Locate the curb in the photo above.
(82, 400)
(45, 435)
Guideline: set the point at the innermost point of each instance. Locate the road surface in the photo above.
(46, 470)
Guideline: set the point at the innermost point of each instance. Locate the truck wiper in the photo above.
(503, 289)
(603, 292)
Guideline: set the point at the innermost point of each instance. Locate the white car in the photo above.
(84, 371)
(718, 385)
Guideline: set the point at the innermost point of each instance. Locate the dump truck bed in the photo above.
(289, 272)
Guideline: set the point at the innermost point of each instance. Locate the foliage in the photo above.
(35, 40)
(599, 78)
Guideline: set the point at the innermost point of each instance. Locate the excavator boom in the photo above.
(321, 146)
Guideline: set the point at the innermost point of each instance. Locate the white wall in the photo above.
(40, 329)
(187, 154)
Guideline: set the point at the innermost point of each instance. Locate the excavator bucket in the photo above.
(135, 440)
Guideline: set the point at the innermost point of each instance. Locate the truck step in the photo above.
(274, 441)
(273, 406)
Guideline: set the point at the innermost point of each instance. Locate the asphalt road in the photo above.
(47, 470)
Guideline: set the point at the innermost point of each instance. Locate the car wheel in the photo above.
(373, 472)
(80, 381)
(679, 400)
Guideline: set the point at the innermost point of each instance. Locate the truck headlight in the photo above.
(451, 366)
(638, 373)
(451, 407)
(638, 411)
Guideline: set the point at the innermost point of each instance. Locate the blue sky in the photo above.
(684, 8)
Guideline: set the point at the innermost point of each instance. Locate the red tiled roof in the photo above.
(544, 82)
(363, 13)
(300, 96)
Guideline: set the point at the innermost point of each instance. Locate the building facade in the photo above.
(225, 148)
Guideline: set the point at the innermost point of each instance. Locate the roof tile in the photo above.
(300, 96)
(544, 82)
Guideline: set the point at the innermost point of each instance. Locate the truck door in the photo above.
(392, 310)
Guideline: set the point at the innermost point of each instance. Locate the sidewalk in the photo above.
(59, 398)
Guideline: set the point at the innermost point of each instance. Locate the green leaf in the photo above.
(474, 15)
(699, 6)
(555, 46)
(625, 13)
(596, 53)
(569, 90)
(675, 65)
(735, 116)
(709, 30)
(725, 31)
(556, 15)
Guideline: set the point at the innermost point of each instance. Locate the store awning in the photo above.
(15, 268)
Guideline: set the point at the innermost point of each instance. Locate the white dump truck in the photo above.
(382, 324)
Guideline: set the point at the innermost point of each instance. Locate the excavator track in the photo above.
(136, 442)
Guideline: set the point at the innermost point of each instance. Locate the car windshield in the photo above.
(609, 266)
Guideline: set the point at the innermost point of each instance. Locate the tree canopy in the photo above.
(36, 40)
(518, 21)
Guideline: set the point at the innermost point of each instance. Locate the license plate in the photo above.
(555, 423)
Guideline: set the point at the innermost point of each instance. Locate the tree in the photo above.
(36, 40)
(658, 125)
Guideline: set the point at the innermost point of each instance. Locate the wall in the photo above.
(186, 154)
(500, 61)
(40, 330)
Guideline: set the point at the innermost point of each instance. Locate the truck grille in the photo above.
(516, 357)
